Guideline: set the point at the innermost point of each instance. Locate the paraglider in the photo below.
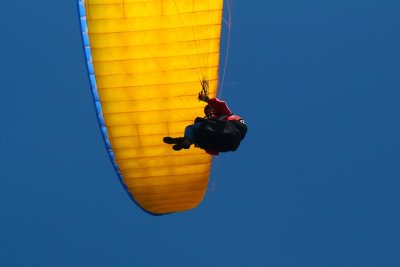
(145, 61)
(219, 131)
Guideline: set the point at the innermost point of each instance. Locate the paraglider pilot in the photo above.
(219, 131)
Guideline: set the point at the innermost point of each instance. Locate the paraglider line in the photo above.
(229, 25)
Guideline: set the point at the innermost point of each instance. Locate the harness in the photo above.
(221, 136)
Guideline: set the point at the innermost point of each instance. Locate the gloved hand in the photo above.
(203, 97)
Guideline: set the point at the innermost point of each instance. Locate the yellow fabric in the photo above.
(149, 57)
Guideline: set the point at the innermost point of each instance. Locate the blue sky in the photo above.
(315, 183)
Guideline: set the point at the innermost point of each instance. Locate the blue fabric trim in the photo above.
(96, 99)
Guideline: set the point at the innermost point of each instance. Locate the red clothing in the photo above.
(220, 111)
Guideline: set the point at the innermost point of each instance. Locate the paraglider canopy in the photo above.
(146, 61)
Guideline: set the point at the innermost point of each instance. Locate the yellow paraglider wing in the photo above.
(146, 60)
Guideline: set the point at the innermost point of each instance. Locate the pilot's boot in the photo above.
(171, 140)
(183, 144)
